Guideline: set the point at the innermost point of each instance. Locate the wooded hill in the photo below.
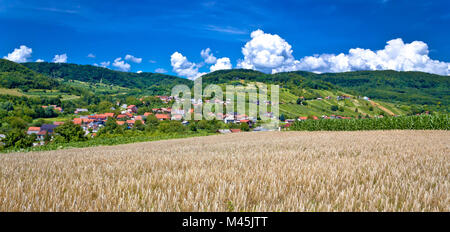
(398, 92)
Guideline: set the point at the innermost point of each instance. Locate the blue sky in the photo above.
(306, 32)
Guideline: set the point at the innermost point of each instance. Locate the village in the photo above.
(92, 123)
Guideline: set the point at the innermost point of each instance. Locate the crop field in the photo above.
(260, 171)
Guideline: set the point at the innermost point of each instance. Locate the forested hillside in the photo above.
(151, 82)
(14, 75)
(400, 87)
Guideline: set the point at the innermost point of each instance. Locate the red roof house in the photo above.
(162, 116)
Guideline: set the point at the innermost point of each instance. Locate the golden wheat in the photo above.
(265, 171)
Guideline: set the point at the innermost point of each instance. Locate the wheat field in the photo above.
(264, 171)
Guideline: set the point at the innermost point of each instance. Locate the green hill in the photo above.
(391, 92)
(404, 88)
(17, 76)
(152, 83)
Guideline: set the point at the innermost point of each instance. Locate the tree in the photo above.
(299, 101)
(18, 139)
(334, 108)
(151, 122)
(104, 106)
(16, 123)
(282, 118)
(244, 127)
(139, 125)
(47, 137)
(71, 132)
(111, 127)
(171, 127)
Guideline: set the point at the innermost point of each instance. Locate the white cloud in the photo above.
(60, 58)
(105, 64)
(133, 59)
(208, 56)
(160, 70)
(20, 54)
(396, 55)
(121, 65)
(39, 60)
(140, 71)
(90, 55)
(222, 63)
(270, 53)
(183, 67)
(152, 61)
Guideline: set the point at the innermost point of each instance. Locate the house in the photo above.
(177, 117)
(48, 127)
(79, 110)
(41, 135)
(162, 116)
(122, 116)
(224, 131)
(109, 115)
(342, 97)
(302, 118)
(229, 119)
(120, 123)
(250, 123)
(132, 109)
(54, 107)
(78, 121)
(165, 99)
(131, 123)
(33, 130)
(146, 114)
(166, 110)
(235, 130)
(138, 118)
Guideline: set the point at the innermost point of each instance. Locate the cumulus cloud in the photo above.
(20, 54)
(183, 67)
(396, 55)
(105, 64)
(133, 59)
(271, 54)
(60, 58)
(140, 71)
(267, 53)
(222, 63)
(39, 60)
(160, 70)
(121, 65)
(90, 55)
(208, 56)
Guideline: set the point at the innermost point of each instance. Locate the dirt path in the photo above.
(382, 108)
